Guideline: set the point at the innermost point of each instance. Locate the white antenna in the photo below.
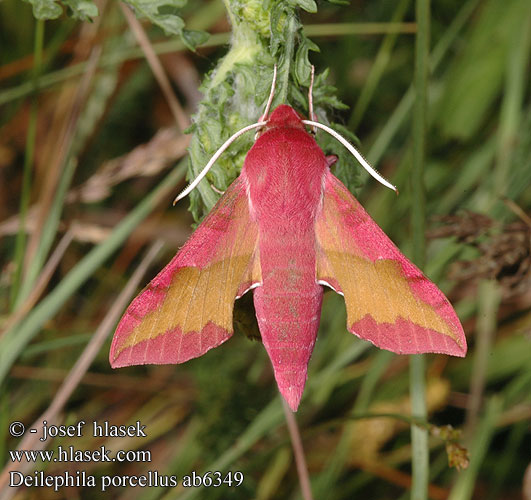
(271, 94)
(217, 154)
(310, 98)
(269, 100)
(354, 151)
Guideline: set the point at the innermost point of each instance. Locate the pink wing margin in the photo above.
(389, 301)
(187, 308)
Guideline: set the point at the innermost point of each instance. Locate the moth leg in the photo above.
(219, 191)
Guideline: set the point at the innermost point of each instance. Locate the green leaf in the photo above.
(324, 95)
(303, 66)
(193, 38)
(45, 9)
(162, 13)
(83, 10)
(307, 5)
(166, 15)
(278, 21)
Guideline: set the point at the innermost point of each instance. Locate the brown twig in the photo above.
(517, 210)
(41, 283)
(138, 31)
(298, 451)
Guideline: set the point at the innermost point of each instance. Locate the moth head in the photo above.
(284, 116)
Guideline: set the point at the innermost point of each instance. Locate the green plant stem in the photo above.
(17, 337)
(29, 154)
(341, 29)
(419, 437)
(466, 480)
(298, 451)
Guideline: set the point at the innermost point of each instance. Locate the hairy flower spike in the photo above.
(235, 92)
